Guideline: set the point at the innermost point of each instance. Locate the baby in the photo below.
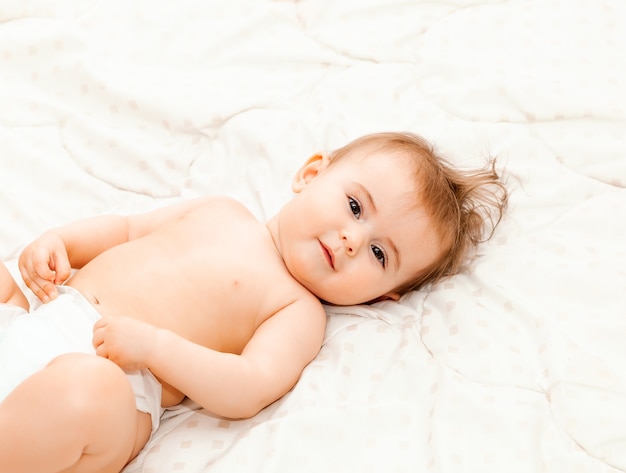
(200, 299)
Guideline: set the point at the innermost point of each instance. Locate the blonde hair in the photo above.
(465, 205)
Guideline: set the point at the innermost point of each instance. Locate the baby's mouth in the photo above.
(328, 254)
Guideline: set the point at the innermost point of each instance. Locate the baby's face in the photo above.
(354, 232)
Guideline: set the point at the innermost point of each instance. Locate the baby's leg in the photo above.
(10, 293)
(76, 415)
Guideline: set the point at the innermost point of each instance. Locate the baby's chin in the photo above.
(354, 301)
(339, 299)
(329, 295)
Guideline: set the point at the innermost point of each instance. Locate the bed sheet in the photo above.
(515, 365)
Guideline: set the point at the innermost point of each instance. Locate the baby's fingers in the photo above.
(98, 336)
(39, 287)
(38, 275)
(43, 264)
(44, 290)
(61, 268)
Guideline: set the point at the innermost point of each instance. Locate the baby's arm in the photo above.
(239, 386)
(230, 385)
(10, 293)
(49, 259)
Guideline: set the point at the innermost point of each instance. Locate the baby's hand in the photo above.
(43, 264)
(126, 341)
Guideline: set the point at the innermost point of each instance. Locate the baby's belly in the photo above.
(207, 326)
(170, 396)
(200, 313)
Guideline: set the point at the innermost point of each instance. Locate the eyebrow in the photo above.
(370, 202)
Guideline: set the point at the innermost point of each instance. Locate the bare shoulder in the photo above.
(304, 318)
(208, 202)
(201, 209)
(218, 200)
(309, 306)
(290, 339)
(221, 203)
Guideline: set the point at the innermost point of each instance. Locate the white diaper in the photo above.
(29, 341)
(8, 313)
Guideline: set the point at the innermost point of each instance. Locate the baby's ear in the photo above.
(310, 169)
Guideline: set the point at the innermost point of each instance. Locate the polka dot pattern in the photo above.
(515, 365)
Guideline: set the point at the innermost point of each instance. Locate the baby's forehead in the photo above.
(395, 155)
(373, 158)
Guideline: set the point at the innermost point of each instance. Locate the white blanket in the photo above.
(516, 365)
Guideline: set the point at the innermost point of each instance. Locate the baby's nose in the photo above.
(352, 241)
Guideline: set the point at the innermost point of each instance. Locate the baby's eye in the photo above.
(355, 207)
(379, 254)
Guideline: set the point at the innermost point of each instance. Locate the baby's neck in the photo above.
(273, 226)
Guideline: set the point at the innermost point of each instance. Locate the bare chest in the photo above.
(213, 286)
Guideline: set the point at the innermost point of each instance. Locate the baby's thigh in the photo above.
(100, 399)
(102, 402)
(79, 406)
